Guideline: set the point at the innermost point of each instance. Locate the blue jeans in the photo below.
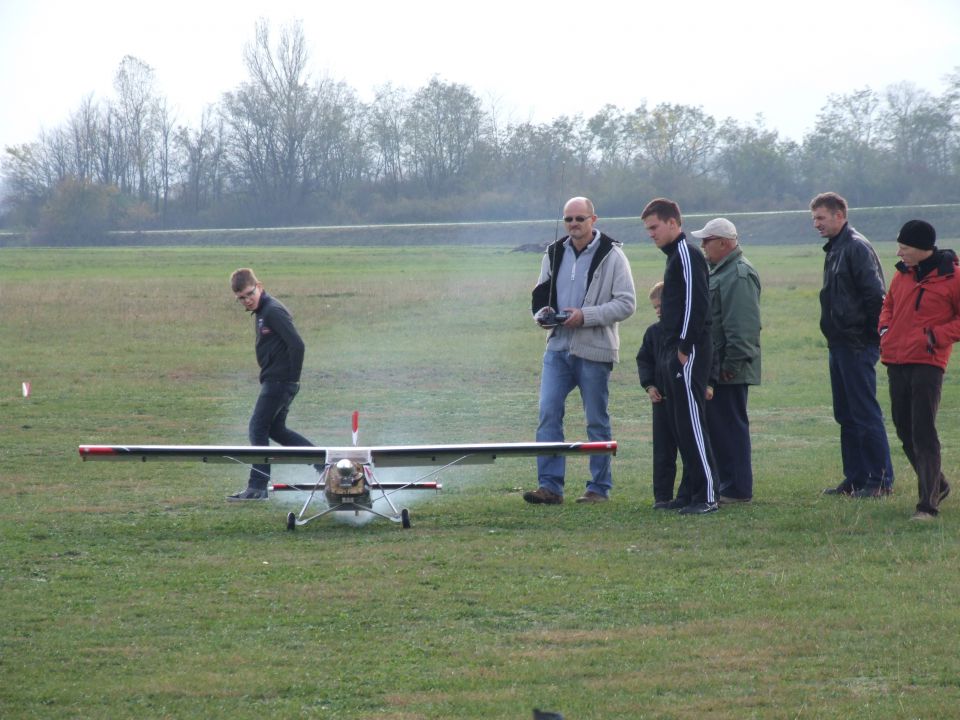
(269, 422)
(863, 437)
(562, 372)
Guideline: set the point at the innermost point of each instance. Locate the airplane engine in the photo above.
(346, 478)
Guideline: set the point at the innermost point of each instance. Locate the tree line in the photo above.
(282, 149)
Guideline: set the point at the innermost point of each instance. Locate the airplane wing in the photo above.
(382, 456)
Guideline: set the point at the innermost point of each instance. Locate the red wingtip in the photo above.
(85, 450)
(600, 446)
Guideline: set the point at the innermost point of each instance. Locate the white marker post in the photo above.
(26, 389)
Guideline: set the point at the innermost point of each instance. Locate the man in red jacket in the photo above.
(919, 323)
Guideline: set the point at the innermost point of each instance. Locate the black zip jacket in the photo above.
(853, 290)
(648, 354)
(685, 304)
(279, 347)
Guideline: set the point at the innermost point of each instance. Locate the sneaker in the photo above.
(922, 516)
(677, 504)
(542, 496)
(591, 497)
(249, 494)
(726, 500)
(663, 505)
(841, 489)
(944, 491)
(699, 509)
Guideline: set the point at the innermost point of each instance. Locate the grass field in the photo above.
(135, 590)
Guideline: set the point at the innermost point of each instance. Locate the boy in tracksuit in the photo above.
(664, 443)
(686, 356)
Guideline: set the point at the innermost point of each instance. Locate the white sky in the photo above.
(534, 59)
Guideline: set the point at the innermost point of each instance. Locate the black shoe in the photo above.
(542, 496)
(699, 509)
(727, 500)
(677, 504)
(662, 505)
(841, 489)
(249, 494)
(871, 492)
(944, 491)
(591, 497)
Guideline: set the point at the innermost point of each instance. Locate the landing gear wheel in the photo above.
(291, 521)
(405, 519)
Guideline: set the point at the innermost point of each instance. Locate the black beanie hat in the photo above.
(918, 234)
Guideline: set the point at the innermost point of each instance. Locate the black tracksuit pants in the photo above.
(664, 453)
(685, 387)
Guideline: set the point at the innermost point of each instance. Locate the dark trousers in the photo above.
(729, 428)
(269, 422)
(863, 437)
(686, 387)
(914, 402)
(664, 453)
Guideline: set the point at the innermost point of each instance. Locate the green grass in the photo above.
(135, 591)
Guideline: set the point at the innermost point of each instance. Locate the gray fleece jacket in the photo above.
(610, 299)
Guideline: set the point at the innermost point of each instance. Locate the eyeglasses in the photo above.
(578, 218)
(709, 239)
(247, 295)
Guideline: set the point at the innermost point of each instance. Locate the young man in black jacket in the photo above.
(280, 357)
(686, 354)
(850, 303)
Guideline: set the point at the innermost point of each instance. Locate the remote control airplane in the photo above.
(347, 477)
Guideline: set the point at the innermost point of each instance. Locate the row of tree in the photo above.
(282, 149)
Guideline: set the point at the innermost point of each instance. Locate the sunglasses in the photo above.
(578, 218)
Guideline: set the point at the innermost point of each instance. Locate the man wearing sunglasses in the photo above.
(280, 357)
(584, 291)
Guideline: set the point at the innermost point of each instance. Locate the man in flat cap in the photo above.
(735, 309)
(919, 323)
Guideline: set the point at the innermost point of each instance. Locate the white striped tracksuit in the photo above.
(685, 318)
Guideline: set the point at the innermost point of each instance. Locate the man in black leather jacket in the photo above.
(850, 303)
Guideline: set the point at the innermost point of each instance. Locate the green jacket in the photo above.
(735, 310)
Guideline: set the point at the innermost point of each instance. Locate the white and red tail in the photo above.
(356, 427)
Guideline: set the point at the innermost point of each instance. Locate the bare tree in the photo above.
(443, 127)
(84, 127)
(387, 118)
(136, 106)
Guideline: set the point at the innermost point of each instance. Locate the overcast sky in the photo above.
(534, 60)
